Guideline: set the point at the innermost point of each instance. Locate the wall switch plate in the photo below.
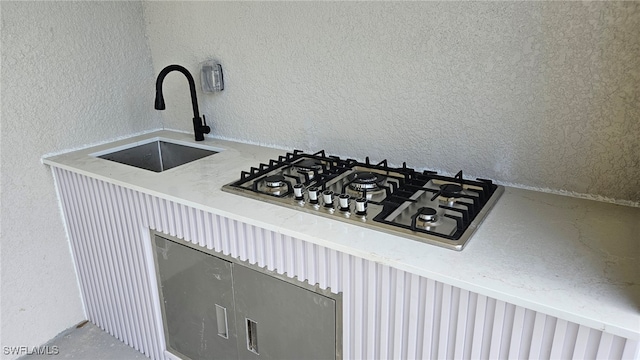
(211, 77)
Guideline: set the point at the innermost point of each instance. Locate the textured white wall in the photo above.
(535, 94)
(72, 74)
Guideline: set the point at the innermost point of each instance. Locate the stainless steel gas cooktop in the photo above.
(423, 206)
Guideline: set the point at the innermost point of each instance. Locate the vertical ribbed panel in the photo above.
(387, 313)
(110, 240)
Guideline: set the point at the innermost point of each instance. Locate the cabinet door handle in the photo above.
(252, 336)
(221, 319)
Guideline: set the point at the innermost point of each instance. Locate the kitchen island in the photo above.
(544, 275)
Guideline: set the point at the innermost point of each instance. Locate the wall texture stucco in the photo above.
(542, 95)
(533, 94)
(73, 73)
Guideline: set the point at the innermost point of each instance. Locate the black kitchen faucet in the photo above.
(199, 125)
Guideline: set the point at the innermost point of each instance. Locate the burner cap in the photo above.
(364, 180)
(274, 181)
(427, 214)
(450, 190)
(307, 165)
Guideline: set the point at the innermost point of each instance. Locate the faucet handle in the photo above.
(204, 128)
(199, 129)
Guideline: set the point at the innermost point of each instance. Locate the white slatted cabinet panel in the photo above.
(387, 313)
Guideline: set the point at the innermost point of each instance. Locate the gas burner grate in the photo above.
(397, 200)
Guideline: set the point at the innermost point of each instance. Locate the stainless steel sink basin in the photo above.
(157, 155)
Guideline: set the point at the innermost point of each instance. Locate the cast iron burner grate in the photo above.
(423, 206)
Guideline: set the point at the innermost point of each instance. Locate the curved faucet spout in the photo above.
(199, 125)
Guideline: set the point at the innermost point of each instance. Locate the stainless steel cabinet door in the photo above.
(197, 296)
(279, 320)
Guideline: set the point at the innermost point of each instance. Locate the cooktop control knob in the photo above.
(344, 202)
(327, 197)
(297, 191)
(361, 206)
(313, 195)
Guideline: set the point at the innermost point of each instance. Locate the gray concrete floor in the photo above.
(87, 342)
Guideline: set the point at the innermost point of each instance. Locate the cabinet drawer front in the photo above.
(197, 299)
(280, 320)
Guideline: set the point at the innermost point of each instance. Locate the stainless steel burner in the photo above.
(428, 214)
(307, 166)
(450, 190)
(363, 180)
(274, 181)
(448, 193)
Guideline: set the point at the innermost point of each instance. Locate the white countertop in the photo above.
(575, 259)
